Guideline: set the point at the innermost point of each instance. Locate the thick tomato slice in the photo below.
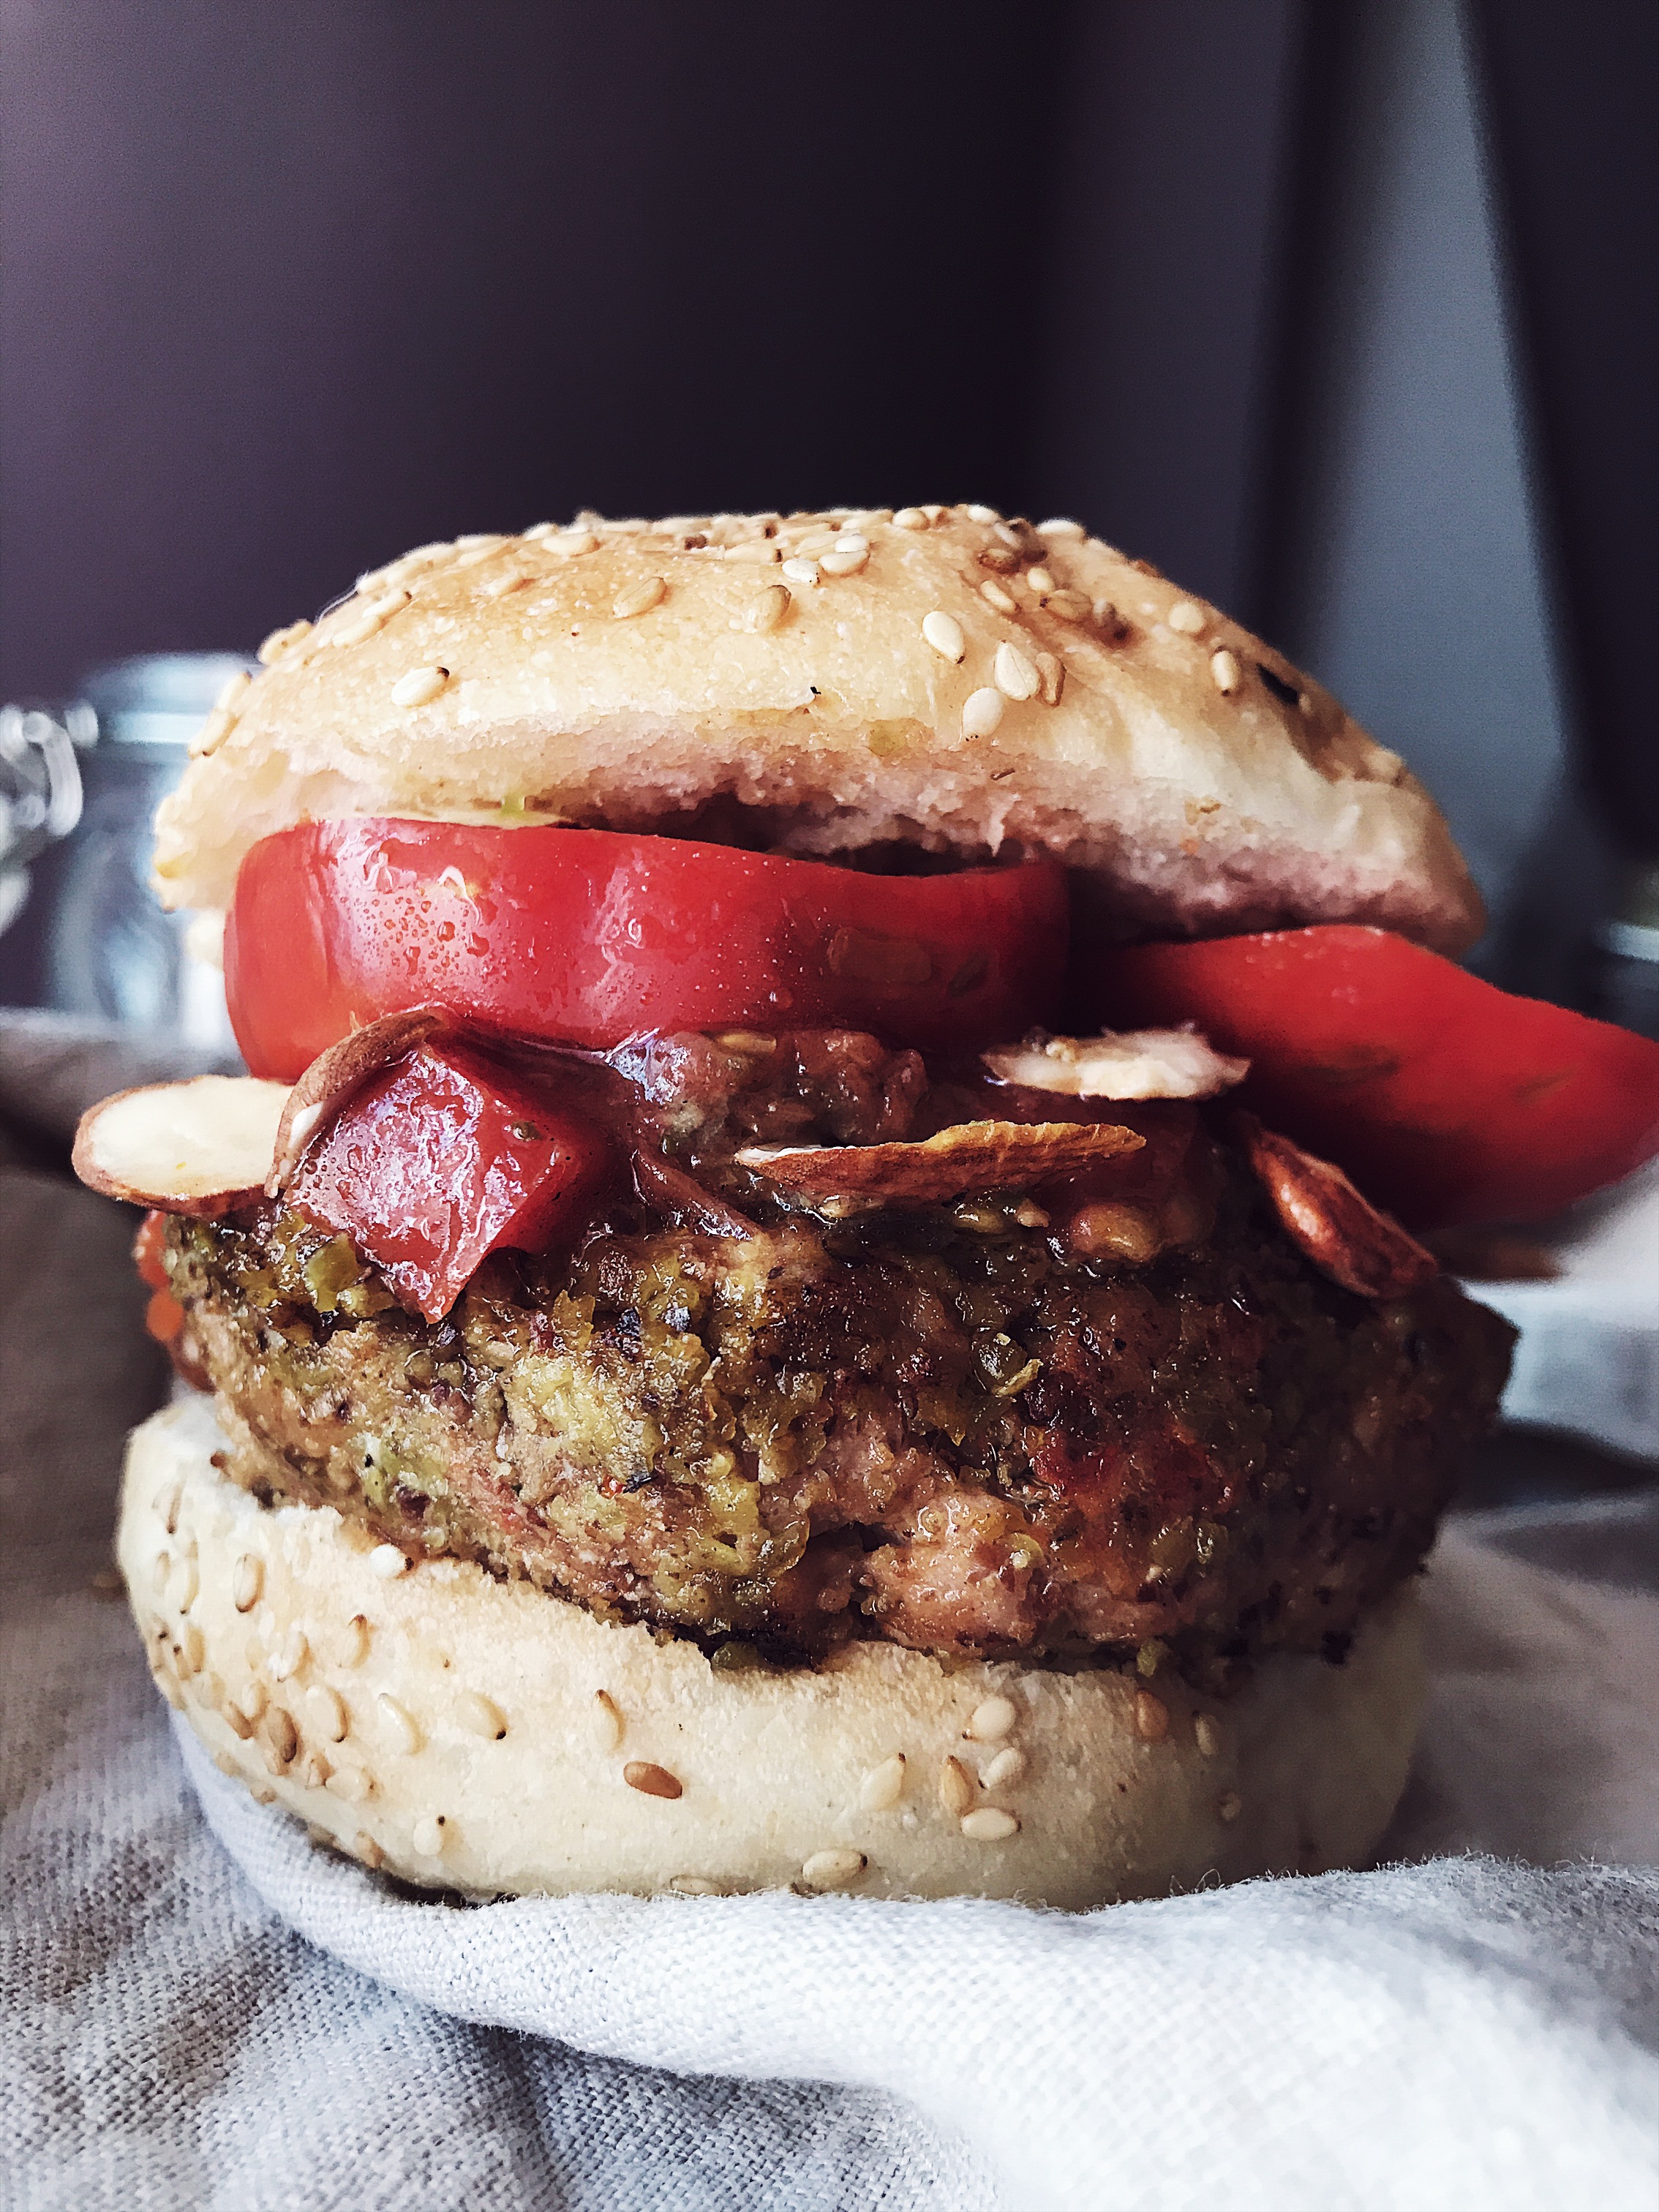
(1446, 1099)
(441, 1159)
(584, 937)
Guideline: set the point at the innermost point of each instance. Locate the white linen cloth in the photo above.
(1478, 2028)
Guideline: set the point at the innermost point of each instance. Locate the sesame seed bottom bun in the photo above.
(483, 1736)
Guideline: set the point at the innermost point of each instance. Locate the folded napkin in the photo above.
(197, 2008)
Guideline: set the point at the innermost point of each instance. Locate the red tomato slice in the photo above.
(147, 1249)
(1446, 1099)
(445, 1158)
(586, 937)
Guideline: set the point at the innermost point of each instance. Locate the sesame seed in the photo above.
(909, 518)
(313, 1771)
(801, 571)
(1015, 676)
(1041, 581)
(1006, 1767)
(428, 1836)
(160, 1567)
(1030, 1215)
(1186, 617)
(252, 1698)
(238, 1723)
(1205, 1734)
(1229, 1805)
(694, 1885)
(166, 1507)
(607, 1721)
(982, 711)
(474, 538)
(419, 686)
(212, 734)
(261, 1793)
(227, 1765)
(1223, 671)
(328, 1714)
(362, 625)
(190, 1650)
(399, 1724)
(767, 609)
(480, 1715)
(231, 691)
(353, 1642)
(363, 1846)
(1051, 679)
(1152, 1717)
(1070, 606)
(538, 530)
(981, 514)
(956, 1787)
(651, 1780)
(753, 548)
(833, 1869)
(352, 1784)
(845, 560)
(884, 1785)
(1003, 601)
(639, 598)
(289, 1656)
(989, 1825)
(993, 1718)
(386, 1561)
(571, 544)
(1000, 558)
(943, 633)
(280, 1736)
(183, 1582)
(281, 641)
(509, 580)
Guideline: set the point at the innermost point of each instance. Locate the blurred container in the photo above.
(113, 952)
(40, 792)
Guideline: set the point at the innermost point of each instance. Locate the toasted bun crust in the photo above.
(482, 1736)
(619, 673)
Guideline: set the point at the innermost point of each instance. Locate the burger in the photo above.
(819, 1276)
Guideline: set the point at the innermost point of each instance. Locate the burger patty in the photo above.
(952, 1426)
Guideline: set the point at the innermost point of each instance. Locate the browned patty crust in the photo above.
(963, 1430)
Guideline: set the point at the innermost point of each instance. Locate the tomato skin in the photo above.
(584, 937)
(441, 1159)
(1448, 1100)
(148, 1247)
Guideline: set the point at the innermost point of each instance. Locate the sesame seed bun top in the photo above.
(937, 675)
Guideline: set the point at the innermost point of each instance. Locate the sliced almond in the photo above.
(972, 1156)
(336, 1074)
(1348, 1238)
(1123, 1063)
(201, 1147)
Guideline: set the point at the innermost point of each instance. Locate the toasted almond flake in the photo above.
(1152, 1717)
(1131, 1064)
(1205, 1734)
(638, 598)
(326, 1709)
(386, 1561)
(480, 1715)
(800, 571)
(957, 1788)
(909, 518)
(651, 1780)
(993, 1719)
(282, 641)
(968, 1156)
(427, 1835)
(997, 595)
(1351, 1240)
(1186, 616)
(767, 609)
(1224, 672)
(833, 1869)
(981, 514)
(884, 1785)
(186, 1147)
(1060, 526)
(607, 1721)
(982, 711)
(1017, 678)
(340, 1071)
(1005, 1769)
(398, 1723)
(989, 1824)
(943, 633)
